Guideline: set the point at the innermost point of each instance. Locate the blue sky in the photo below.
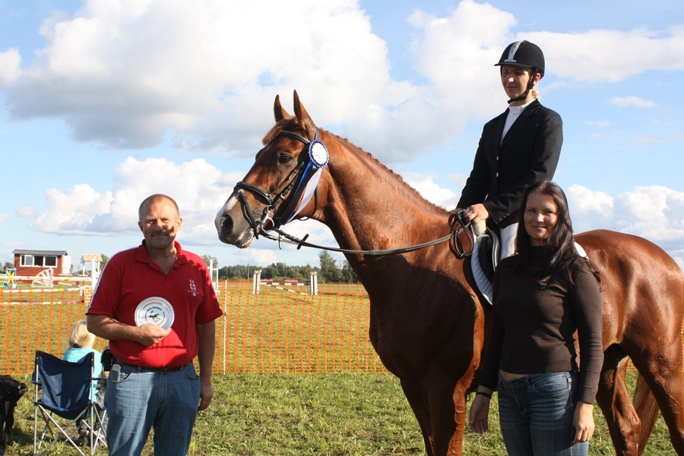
(105, 102)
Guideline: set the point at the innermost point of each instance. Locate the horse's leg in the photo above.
(421, 410)
(661, 368)
(441, 421)
(647, 408)
(616, 404)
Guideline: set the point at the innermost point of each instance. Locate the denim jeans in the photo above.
(138, 400)
(536, 414)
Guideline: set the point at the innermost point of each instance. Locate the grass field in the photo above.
(323, 415)
(330, 410)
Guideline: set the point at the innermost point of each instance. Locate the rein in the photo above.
(455, 221)
(296, 177)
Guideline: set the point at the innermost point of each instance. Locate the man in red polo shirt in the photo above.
(156, 305)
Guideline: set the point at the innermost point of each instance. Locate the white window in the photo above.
(38, 261)
(26, 260)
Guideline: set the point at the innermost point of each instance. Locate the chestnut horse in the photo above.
(427, 322)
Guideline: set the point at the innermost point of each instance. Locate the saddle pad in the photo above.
(481, 280)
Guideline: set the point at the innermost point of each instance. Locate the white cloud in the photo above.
(431, 191)
(263, 257)
(632, 101)
(71, 212)
(654, 212)
(210, 67)
(585, 200)
(589, 209)
(4, 218)
(598, 123)
(82, 210)
(125, 73)
(10, 67)
(26, 211)
(650, 139)
(610, 55)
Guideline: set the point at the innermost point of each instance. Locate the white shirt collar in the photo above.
(518, 109)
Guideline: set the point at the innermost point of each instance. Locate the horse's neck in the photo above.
(371, 208)
(368, 207)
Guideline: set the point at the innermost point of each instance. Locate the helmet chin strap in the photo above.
(530, 86)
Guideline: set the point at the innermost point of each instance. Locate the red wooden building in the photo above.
(32, 262)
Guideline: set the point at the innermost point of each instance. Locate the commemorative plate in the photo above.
(155, 310)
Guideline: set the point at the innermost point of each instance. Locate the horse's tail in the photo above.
(647, 409)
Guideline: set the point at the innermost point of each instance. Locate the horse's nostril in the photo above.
(226, 224)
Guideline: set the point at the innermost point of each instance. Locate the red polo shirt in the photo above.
(130, 277)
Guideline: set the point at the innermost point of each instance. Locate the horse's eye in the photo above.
(284, 159)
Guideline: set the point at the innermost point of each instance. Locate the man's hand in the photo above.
(111, 329)
(206, 394)
(150, 334)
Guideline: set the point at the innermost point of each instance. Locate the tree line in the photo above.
(328, 271)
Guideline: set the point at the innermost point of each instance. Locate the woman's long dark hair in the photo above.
(560, 247)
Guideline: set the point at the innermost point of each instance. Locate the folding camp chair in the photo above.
(66, 401)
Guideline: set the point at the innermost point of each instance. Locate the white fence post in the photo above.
(256, 282)
(313, 283)
(213, 273)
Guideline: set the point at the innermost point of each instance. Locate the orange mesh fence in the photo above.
(280, 330)
(36, 319)
(275, 331)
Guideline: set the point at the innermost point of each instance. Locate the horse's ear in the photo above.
(303, 117)
(278, 110)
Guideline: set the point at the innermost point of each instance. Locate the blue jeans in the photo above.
(138, 400)
(536, 414)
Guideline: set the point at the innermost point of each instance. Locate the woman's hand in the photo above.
(583, 421)
(479, 412)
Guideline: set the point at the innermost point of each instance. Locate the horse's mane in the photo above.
(398, 182)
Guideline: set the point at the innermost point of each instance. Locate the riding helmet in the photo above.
(523, 54)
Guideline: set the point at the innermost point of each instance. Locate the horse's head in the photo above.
(279, 183)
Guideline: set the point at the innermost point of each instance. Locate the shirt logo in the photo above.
(193, 288)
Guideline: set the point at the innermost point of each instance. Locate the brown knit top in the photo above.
(534, 327)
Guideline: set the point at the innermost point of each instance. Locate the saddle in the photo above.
(484, 258)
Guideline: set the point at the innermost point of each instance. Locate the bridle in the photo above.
(277, 196)
(294, 178)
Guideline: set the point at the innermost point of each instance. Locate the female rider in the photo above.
(517, 148)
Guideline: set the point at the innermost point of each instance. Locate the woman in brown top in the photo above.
(543, 296)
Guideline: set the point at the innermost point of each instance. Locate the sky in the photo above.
(104, 102)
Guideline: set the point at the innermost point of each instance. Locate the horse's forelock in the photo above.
(281, 125)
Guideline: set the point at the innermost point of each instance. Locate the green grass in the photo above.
(324, 415)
